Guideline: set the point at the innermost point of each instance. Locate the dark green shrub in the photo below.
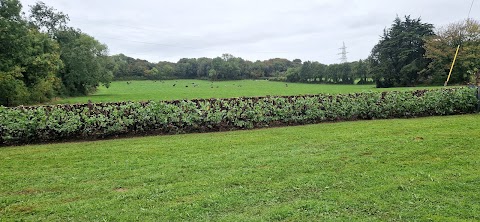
(22, 125)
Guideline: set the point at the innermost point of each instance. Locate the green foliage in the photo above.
(48, 18)
(47, 123)
(10, 10)
(229, 67)
(293, 74)
(315, 72)
(441, 49)
(29, 60)
(42, 58)
(361, 72)
(86, 63)
(398, 58)
(12, 90)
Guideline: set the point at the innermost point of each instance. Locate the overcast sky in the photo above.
(251, 29)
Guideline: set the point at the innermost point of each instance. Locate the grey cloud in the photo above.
(261, 29)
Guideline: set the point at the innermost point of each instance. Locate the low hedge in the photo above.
(37, 124)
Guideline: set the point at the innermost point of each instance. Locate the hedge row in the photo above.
(24, 125)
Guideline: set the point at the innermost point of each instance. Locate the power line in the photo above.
(470, 11)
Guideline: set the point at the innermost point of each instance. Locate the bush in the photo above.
(22, 125)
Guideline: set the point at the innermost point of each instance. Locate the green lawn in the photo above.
(150, 90)
(423, 169)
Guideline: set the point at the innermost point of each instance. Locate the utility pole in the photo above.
(343, 54)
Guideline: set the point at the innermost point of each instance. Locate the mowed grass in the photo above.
(193, 89)
(423, 169)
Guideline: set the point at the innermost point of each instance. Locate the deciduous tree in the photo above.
(441, 49)
(29, 59)
(86, 63)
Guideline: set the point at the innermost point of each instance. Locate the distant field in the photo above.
(165, 90)
(423, 169)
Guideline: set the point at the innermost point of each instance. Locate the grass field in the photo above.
(150, 90)
(388, 170)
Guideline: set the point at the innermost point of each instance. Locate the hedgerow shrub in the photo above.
(35, 124)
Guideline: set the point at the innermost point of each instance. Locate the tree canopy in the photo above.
(29, 59)
(441, 50)
(398, 58)
(41, 57)
(229, 67)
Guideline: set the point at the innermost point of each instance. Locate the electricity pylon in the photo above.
(344, 53)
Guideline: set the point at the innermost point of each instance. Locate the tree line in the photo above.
(41, 57)
(225, 67)
(229, 67)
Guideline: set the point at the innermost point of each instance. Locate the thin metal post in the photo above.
(478, 99)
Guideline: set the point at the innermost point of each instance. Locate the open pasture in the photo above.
(194, 89)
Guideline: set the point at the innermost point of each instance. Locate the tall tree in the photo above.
(187, 68)
(86, 63)
(166, 71)
(29, 59)
(346, 73)
(257, 69)
(399, 56)
(204, 65)
(85, 59)
(12, 53)
(48, 19)
(307, 72)
(333, 73)
(441, 49)
(361, 72)
(120, 69)
(293, 74)
(319, 72)
(227, 67)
